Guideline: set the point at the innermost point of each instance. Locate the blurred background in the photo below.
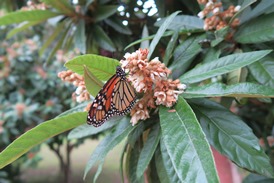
(32, 54)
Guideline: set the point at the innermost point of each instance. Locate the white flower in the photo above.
(216, 10)
(237, 8)
(79, 90)
(201, 15)
(181, 86)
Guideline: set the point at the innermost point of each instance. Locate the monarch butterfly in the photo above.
(117, 97)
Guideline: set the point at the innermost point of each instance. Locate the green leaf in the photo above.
(257, 31)
(57, 31)
(211, 55)
(93, 84)
(122, 162)
(168, 164)
(21, 27)
(88, 2)
(117, 25)
(222, 65)
(167, 33)
(58, 45)
(131, 164)
(184, 54)
(260, 9)
(236, 90)
(80, 36)
(86, 130)
(109, 142)
(101, 67)
(220, 35)
(160, 32)
(263, 71)
(170, 47)
(103, 39)
(135, 134)
(148, 150)
(62, 6)
(103, 12)
(99, 170)
(21, 16)
(244, 5)
(186, 144)
(78, 108)
(184, 22)
(145, 33)
(228, 134)
(162, 169)
(255, 178)
(39, 134)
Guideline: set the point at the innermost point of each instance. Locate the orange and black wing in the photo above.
(101, 109)
(124, 97)
(117, 97)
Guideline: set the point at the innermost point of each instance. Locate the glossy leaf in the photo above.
(164, 166)
(169, 164)
(244, 5)
(58, 45)
(21, 16)
(123, 153)
(222, 65)
(103, 12)
(236, 90)
(135, 134)
(92, 83)
(263, 71)
(103, 39)
(170, 47)
(167, 33)
(21, 27)
(257, 31)
(148, 150)
(160, 32)
(255, 178)
(101, 67)
(228, 134)
(185, 22)
(260, 9)
(80, 36)
(86, 130)
(211, 55)
(57, 31)
(39, 134)
(186, 145)
(78, 108)
(99, 171)
(123, 128)
(145, 44)
(184, 54)
(131, 164)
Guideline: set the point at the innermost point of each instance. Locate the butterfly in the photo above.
(117, 97)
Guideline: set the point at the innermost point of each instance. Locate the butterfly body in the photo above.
(117, 97)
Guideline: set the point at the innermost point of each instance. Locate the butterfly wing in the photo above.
(100, 109)
(124, 97)
(117, 97)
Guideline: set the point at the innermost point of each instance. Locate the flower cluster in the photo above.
(216, 17)
(150, 78)
(13, 51)
(81, 94)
